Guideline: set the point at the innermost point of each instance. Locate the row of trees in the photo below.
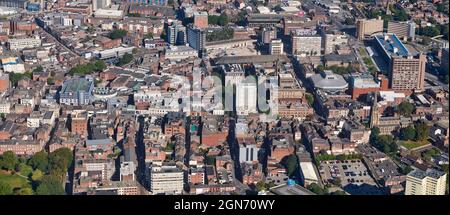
(221, 20)
(84, 69)
(323, 157)
(315, 188)
(418, 132)
(45, 171)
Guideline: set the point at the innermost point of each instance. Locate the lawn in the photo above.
(14, 181)
(409, 144)
(362, 52)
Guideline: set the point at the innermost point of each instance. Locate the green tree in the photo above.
(39, 161)
(60, 160)
(405, 108)
(24, 169)
(100, 65)
(260, 186)
(126, 58)
(421, 131)
(24, 191)
(38, 69)
(15, 77)
(291, 164)
(8, 160)
(429, 31)
(408, 133)
(50, 81)
(405, 169)
(149, 35)
(37, 175)
(315, 188)
(5, 188)
(310, 99)
(170, 2)
(223, 19)
(117, 34)
(50, 185)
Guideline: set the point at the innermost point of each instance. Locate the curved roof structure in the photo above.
(329, 81)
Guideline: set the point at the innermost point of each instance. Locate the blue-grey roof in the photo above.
(77, 84)
(391, 45)
(98, 142)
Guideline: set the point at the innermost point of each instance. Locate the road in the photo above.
(57, 41)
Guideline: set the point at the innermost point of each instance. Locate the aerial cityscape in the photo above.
(224, 97)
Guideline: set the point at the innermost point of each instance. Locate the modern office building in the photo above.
(403, 30)
(76, 91)
(406, 72)
(276, 47)
(246, 98)
(176, 34)
(366, 27)
(429, 182)
(196, 38)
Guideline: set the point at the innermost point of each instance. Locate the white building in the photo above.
(307, 45)
(246, 98)
(276, 47)
(248, 153)
(429, 182)
(22, 43)
(166, 179)
(99, 4)
(180, 52)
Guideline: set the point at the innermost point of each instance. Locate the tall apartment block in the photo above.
(176, 34)
(406, 72)
(429, 182)
(196, 38)
(306, 43)
(365, 27)
(403, 30)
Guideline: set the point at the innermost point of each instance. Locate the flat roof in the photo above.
(75, 85)
(251, 59)
(290, 190)
(391, 45)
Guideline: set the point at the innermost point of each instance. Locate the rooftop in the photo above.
(391, 45)
(428, 173)
(77, 84)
